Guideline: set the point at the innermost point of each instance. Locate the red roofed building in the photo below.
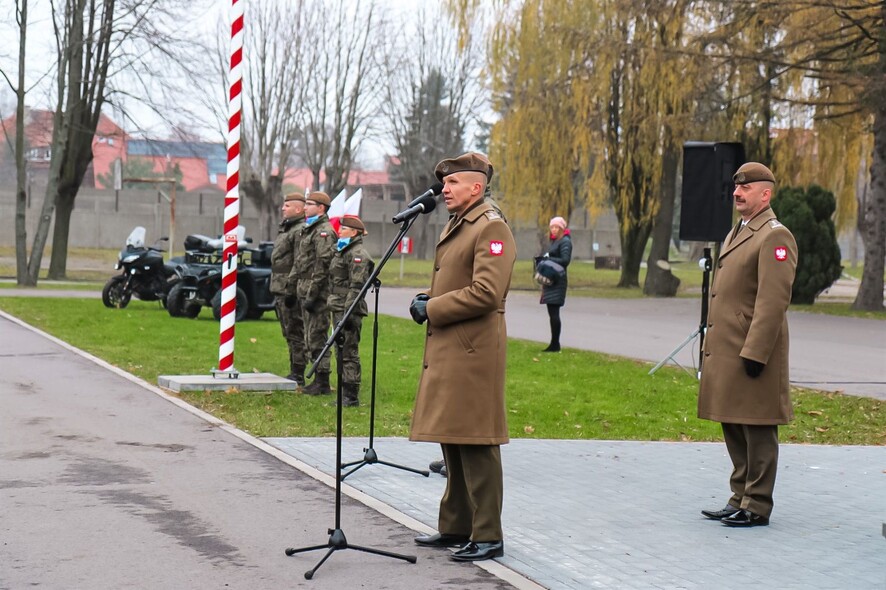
(201, 165)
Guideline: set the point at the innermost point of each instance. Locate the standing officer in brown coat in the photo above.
(460, 402)
(744, 374)
(285, 302)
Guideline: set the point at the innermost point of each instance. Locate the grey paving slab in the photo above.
(616, 514)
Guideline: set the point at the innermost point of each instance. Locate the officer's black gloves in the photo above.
(753, 368)
(419, 308)
(350, 323)
(289, 300)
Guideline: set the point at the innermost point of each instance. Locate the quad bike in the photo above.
(200, 277)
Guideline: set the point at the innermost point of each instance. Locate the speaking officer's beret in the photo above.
(469, 162)
(752, 172)
(294, 197)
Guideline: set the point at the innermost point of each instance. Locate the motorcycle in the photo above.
(144, 273)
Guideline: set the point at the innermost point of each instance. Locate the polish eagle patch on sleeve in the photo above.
(496, 248)
(781, 253)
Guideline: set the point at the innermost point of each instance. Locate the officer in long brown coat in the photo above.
(460, 402)
(744, 374)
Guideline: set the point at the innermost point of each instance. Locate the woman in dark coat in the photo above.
(554, 295)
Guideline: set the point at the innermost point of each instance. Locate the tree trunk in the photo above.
(633, 242)
(60, 130)
(660, 281)
(58, 260)
(21, 171)
(872, 222)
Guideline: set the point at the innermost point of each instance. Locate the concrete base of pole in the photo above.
(243, 382)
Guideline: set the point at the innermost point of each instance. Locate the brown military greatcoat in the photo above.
(462, 387)
(749, 299)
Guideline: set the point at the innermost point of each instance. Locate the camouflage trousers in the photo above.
(293, 328)
(350, 351)
(316, 324)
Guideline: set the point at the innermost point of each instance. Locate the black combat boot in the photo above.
(297, 374)
(320, 386)
(350, 395)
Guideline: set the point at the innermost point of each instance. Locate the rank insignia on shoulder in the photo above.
(774, 223)
(491, 215)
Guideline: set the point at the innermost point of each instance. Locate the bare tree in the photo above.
(21, 234)
(276, 68)
(340, 105)
(96, 40)
(432, 98)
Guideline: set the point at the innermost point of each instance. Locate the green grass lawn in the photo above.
(572, 395)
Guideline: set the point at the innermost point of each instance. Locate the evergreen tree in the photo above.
(809, 215)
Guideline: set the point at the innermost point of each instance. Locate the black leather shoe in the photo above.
(479, 551)
(720, 514)
(442, 540)
(745, 518)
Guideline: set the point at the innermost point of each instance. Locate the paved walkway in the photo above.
(611, 514)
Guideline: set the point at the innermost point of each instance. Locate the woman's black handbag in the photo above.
(548, 272)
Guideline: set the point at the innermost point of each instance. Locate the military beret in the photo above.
(319, 197)
(353, 222)
(752, 172)
(469, 162)
(294, 197)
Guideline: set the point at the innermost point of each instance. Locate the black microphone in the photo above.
(435, 190)
(425, 204)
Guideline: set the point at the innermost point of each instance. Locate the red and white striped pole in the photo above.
(232, 198)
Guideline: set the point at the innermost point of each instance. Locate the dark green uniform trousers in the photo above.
(471, 505)
(293, 327)
(754, 454)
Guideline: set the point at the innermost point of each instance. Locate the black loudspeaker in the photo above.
(706, 208)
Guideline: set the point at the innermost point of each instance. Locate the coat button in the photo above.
(707, 354)
(425, 365)
(713, 295)
(710, 324)
(719, 265)
(436, 268)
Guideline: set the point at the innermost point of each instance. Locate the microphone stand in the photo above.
(337, 540)
(706, 263)
(370, 457)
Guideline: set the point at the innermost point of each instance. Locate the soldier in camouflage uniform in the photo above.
(310, 275)
(288, 311)
(348, 272)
